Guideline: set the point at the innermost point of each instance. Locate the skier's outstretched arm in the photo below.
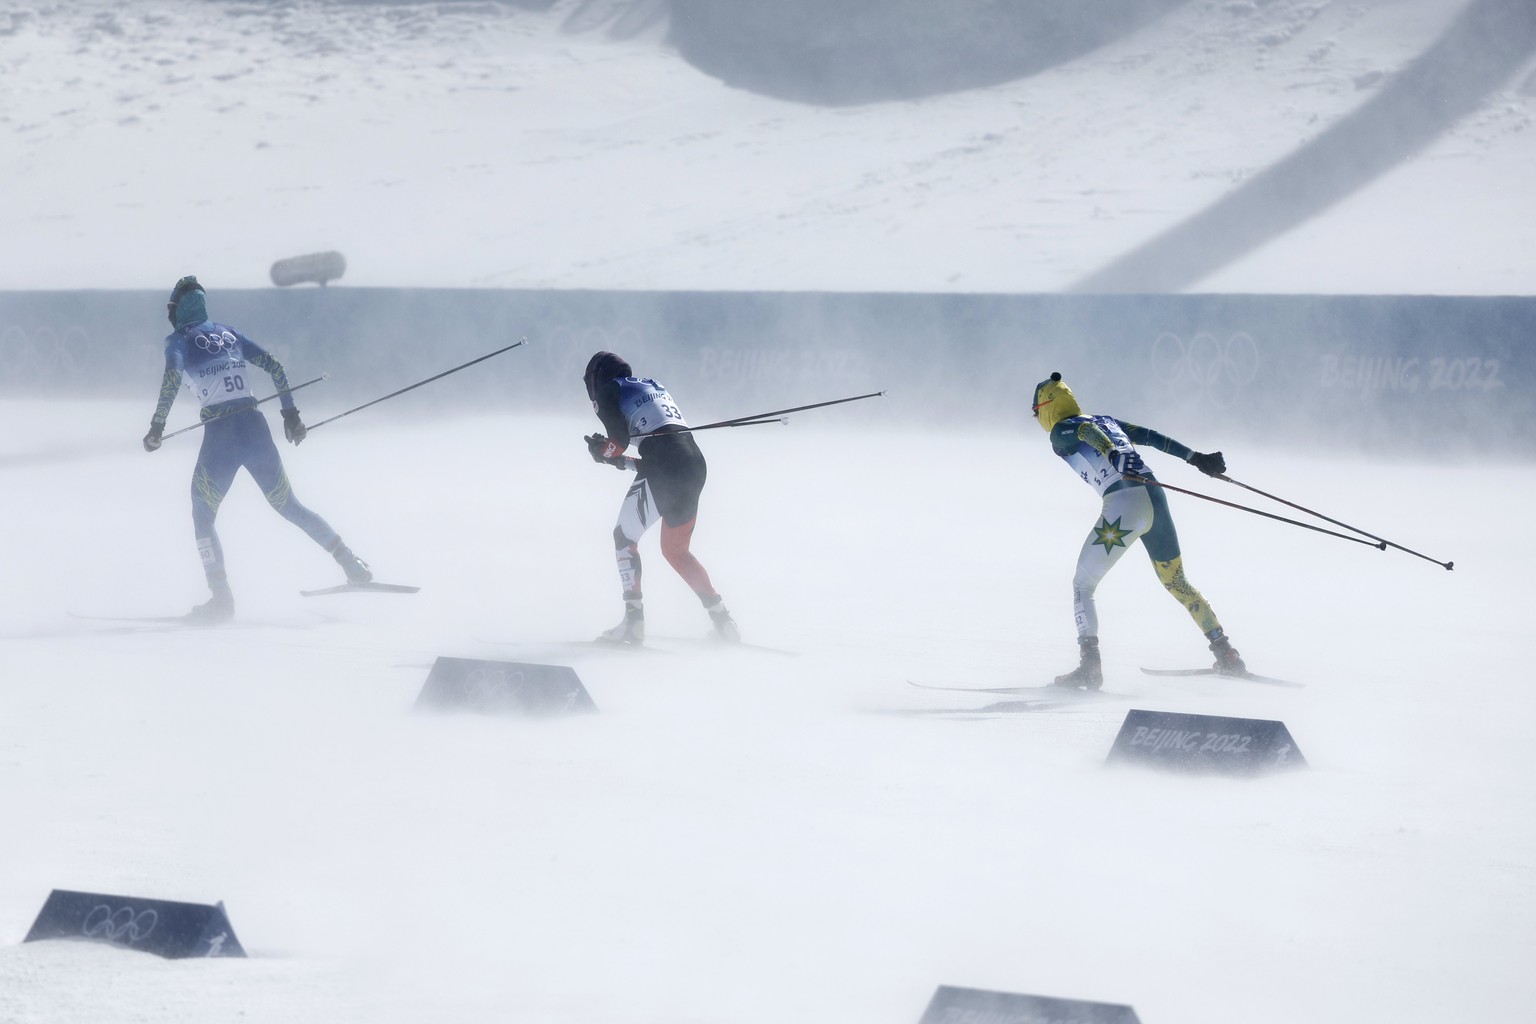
(1209, 463)
(170, 384)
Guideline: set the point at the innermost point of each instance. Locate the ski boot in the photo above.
(218, 608)
(1228, 661)
(725, 626)
(356, 569)
(1089, 674)
(632, 630)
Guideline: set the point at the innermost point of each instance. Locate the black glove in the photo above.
(293, 427)
(152, 439)
(1211, 464)
(602, 451)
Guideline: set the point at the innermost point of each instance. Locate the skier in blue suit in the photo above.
(215, 361)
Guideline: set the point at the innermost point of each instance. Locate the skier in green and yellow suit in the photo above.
(1102, 450)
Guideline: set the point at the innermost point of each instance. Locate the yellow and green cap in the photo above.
(1054, 402)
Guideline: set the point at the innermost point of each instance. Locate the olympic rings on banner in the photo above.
(581, 342)
(37, 356)
(1206, 369)
(486, 688)
(105, 923)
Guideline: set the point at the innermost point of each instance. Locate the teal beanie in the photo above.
(188, 304)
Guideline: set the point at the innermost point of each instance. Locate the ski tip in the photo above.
(1251, 677)
(361, 588)
(184, 619)
(628, 647)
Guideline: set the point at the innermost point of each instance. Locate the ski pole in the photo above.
(739, 423)
(429, 380)
(768, 417)
(280, 394)
(1301, 508)
(1258, 512)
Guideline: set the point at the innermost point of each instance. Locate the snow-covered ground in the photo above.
(480, 145)
(755, 835)
(745, 835)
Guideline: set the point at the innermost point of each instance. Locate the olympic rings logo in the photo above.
(500, 689)
(1206, 369)
(105, 923)
(42, 353)
(485, 688)
(216, 343)
(577, 344)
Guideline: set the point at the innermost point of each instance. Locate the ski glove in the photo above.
(293, 427)
(152, 439)
(605, 451)
(1211, 464)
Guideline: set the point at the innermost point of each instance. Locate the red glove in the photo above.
(606, 450)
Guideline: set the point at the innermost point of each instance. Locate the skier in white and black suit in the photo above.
(669, 476)
(1102, 451)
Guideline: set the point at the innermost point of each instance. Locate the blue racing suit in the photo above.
(215, 362)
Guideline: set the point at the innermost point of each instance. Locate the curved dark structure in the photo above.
(1481, 51)
(841, 52)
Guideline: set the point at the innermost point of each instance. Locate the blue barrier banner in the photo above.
(503, 688)
(1205, 743)
(163, 927)
(1409, 374)
(979, 1006)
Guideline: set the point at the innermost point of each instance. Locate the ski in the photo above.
(574, 645)
(655, 644)
(619, 645)
(1252, 677)
(982, 689)
(714, 643)
(132, 623)
(1048, 690)
(131, 618)
(349, 588)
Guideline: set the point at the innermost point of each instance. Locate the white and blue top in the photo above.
(1102, 450)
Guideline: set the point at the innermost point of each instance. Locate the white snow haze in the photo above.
(784, 830)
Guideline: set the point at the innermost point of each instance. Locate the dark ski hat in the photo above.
(604, 366)
(188, 303)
